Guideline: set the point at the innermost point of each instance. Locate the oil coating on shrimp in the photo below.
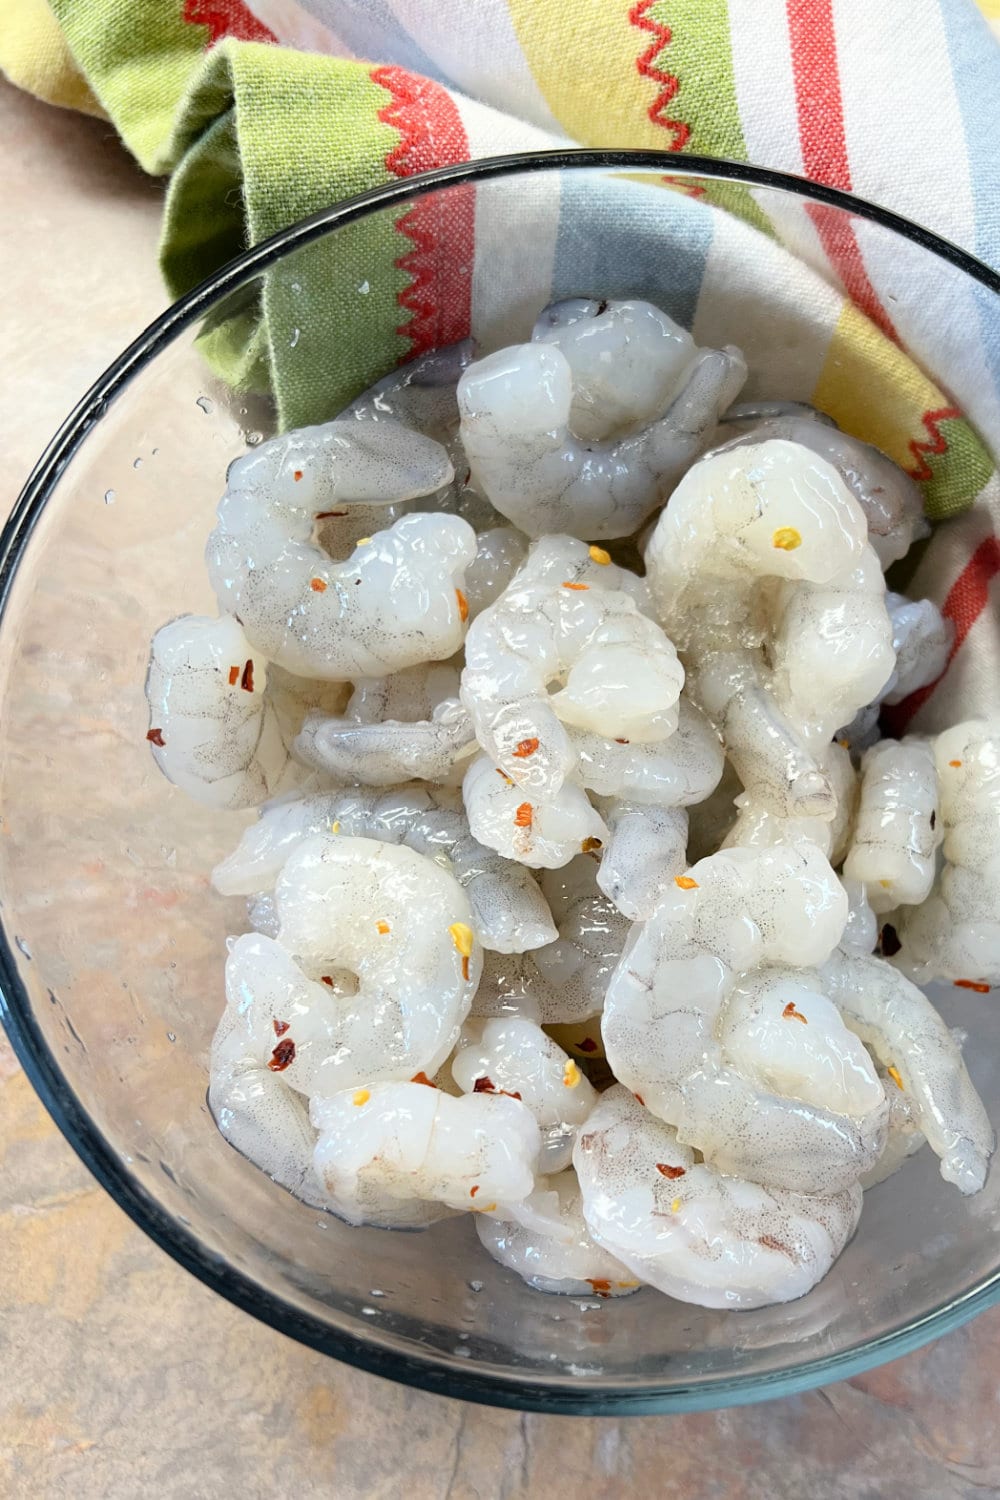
(516, 408)
(690, 1231)
(763, 575)
(897, 830)
(508, 910)
(566, 619)
(663, 1025)
(544, 834)
(682, 769)
(922, 640)
(756, 826)
(393, 603)
(646, 849)
(222, 719)
(955, 933)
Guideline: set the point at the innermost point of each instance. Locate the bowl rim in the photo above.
(426, 1370)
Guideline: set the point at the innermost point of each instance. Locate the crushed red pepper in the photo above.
(524, 748)
(577, 587)
(621, 742)
(672, 1172)
(246, 681)
(463, 606)
(587, 1044)
(155, 737)
(325, 515)
(283, 1054)
(280, 1027)
(422, 1078)
(325, 979)
(234, 675)
(955, 763)
(685, 882)
(972, 984)
(474, 1189)
(523, 816)
(589, 845)
(602, 1288)
(791, 1014)
(317, 585)
(485, 1085)
(641, 1100)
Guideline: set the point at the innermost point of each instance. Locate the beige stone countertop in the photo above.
(125, 1377)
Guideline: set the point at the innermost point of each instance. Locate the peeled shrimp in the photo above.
(565, 619)
(682, 769)
(732, 913)
(903, 1138)
(543, 834)
(411, 725)
(500, 553)
(512, 1054)
(922, 640)
(889, 498)
(955, 933)
(901, 1026)
(763, 576)
(391, 604)
(647, 848)
(405, 1141)
(570, 1262)
(699, 1236)
(756, 826)
(222, 719)
(516, 408)
(896, 833)
(508, 910)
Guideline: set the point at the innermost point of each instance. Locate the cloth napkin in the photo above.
(266, 111)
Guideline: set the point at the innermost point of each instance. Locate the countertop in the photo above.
(122, 1374)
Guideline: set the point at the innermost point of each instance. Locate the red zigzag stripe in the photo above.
(226, 18)
(937, 443)
(669, 84)
(441, 226)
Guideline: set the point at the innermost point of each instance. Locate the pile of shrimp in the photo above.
(584, 896)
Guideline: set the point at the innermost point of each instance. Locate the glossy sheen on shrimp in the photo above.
(508, 910)
(897, 829)
(569, 1261)
(544, 834)
(646, 850)
(733, 913)
(564, 620)
(756, 827)
(516, 408)
(221, 720)
(691, 1232)
(682, 769)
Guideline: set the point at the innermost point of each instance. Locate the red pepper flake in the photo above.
(586, 1044)
(326, 515)
(523, 816)
(465, 966)
(955, 763)
(641, 1100)
(791, 1014)
(246, 681)
(685, 883)
(325, 979)
(283, 1054)
(601, 1287)
(317, 585)
(889, 941)
(422, 1078)
(589, 845)
(234, 676)
(972, 984)
(297, 475)
(672, 1172)
(155, 737)
(280, 1027)
(621, 742)
(485, 1085)
(474, 1189)
(463, 606)
(577, 587)
(382, 928)
(524, 748)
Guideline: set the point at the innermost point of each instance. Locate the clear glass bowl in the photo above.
(111, 960)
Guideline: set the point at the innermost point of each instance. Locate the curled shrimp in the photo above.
(922, 640)
(733, 913)
(889, 498)
(682, 769)
(523, 830)
(508, 910)
(757, 826)
(689, 1231)
(405, 1141)
(409, 726)
(955, 933)
(391, 604)
(568, 1260)
(566, 619)
(903, 1137)
(515, 410)
(896, 834)
(646, 850)
(513, 1055)
(222, 719)
(763, 576)
(902, 1028)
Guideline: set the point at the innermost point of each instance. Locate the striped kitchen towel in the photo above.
(268, 110)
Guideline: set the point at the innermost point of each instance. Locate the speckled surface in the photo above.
(124, 1376)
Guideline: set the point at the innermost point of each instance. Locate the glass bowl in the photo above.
(111, 959)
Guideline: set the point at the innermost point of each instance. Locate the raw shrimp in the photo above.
(565, 619)
(889, 498)
(570, 1262)
(222, 719)
(513, 1055)
(515, 410)
(902, 1028)
(732, 913)
(756, 826)
(897, 831)
(646, 849)
(955, 934)
(763, 576)
(500, 553)
(627, 361)
(543, 834)
(405, 1141)
(411, 725)
(508, 910)
(677, 771)
(922, 640)
(393, 603)
(691, 1232)
(904, 1136)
